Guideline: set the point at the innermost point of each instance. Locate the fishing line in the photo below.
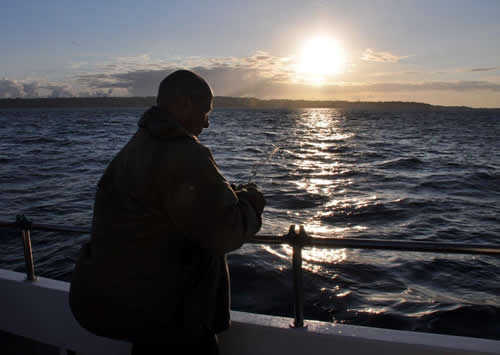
(276, 147)
(255, 168)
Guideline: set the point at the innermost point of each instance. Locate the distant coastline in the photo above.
(225, 102)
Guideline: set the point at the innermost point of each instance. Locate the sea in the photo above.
(407, 176)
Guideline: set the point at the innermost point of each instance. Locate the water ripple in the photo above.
(431, 176)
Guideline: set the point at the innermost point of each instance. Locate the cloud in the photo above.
(370, 55)
(387, 89)
(10, 89)
(58, 90)
(31, 89)
(229, 76)
(484, 69)
(435, 86)
(393, 74)
(260, 75)
(241, 80)
(18, 89)
(225, 81)
(134, 83)
(79, 65)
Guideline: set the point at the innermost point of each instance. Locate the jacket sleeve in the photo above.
(204, 208)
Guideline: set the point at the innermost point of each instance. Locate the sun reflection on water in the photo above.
(321, 170)
(325, 186)
(316, 229)
(312, 258)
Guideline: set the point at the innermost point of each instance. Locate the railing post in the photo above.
(298, 285)
(24, 224)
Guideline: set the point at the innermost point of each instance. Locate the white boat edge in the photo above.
(40, 311)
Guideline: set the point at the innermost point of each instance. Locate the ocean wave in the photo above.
(481, 178)
(36, 140)
(469, 185)
(359, 175)
(381, 211)
(401, 163)
(482, 321)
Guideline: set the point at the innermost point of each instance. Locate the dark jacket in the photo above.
(164, 216)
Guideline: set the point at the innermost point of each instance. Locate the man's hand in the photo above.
(250, 193)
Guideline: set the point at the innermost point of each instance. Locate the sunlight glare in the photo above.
(320, 57)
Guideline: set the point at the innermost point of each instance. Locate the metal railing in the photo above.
(292, 238)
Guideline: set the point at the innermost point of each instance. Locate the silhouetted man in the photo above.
(154, 271)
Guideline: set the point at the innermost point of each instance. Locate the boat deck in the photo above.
(39, 310)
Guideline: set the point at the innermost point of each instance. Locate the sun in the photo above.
(319, 59)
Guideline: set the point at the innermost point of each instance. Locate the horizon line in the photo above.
(249, 101)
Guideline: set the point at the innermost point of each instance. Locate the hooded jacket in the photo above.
(164, 216)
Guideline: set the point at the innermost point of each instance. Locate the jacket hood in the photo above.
(160, 124)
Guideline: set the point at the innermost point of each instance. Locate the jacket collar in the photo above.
(160, 124)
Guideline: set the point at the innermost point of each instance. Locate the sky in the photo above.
(440, 52)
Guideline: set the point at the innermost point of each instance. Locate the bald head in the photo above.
(182, 83)
(188, 98)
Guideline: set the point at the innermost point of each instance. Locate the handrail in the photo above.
(380, 244)
(308, 241)
(47, 227)
(297, 241)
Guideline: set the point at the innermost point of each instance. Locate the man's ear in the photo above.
(186, 104)
(186, 101)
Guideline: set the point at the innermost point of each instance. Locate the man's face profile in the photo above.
(197, 114)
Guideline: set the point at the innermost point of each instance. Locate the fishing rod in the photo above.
(255, 168)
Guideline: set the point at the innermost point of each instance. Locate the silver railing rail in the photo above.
(292, 238)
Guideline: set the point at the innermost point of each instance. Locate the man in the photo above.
(154, 271)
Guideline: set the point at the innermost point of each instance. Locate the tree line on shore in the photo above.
(221, 102)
